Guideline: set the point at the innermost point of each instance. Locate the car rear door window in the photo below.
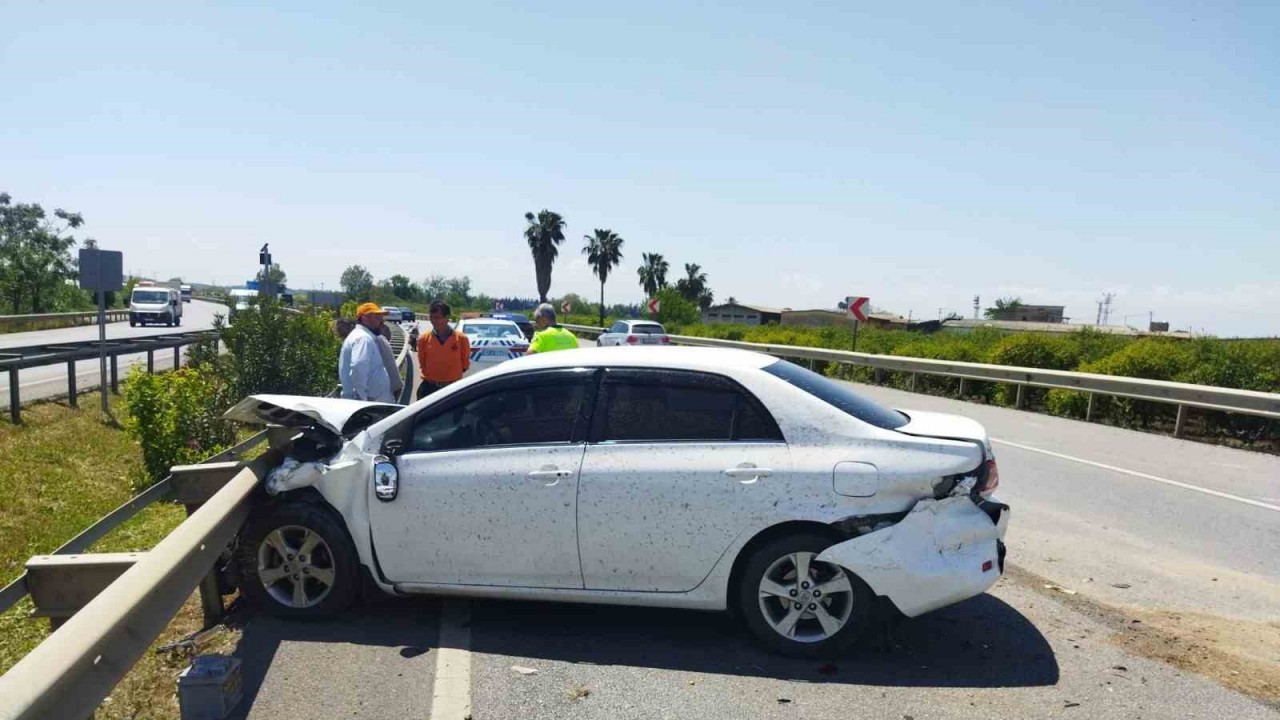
(533, 414)
(647, 329)
(663, 406)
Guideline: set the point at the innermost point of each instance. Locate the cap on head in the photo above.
(369, 309)
(546, 311)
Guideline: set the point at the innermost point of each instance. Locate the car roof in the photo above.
(715, 360)
(642, 322)
(486, 321)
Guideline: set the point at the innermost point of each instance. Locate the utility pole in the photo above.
(976, 302)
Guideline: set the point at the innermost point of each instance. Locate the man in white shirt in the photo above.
(360, 367)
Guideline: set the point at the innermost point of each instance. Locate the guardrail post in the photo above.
(961, 388)
(914, 376)
(115, 375)
(1088, 411)
(1021, 400)
(878, 376)
(1180, 424)
(15, 399)
(151, 362)
(71, 384)
(177, 356)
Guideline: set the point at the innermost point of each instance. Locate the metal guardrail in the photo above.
(69, 319)
(13, 360)
(1183, 395)
(79, 664)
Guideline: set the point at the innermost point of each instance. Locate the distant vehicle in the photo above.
(634, 332)
(393, 313)
(697, 478)
(408, 315)
(241, 299)
(519, 319)
(150, 303)
(186, 293)
(493, 341)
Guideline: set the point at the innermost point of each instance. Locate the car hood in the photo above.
(942, 425)
(339, 416)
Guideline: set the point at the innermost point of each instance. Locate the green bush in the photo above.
(272, 350)
(174, 416)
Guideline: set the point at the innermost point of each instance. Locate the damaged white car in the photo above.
(678, 477)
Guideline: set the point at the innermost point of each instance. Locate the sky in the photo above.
(916, 153)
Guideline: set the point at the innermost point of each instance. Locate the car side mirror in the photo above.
(386, 480)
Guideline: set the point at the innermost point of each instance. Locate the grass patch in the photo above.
(60, 471)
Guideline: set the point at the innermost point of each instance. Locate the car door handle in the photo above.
(751, 472)
(551, 474)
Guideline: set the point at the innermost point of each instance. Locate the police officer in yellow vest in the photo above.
(549, 336)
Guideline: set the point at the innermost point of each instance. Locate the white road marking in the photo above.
(1144, 476)
(451, 699)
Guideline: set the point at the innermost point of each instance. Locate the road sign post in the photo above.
(103, 271)
(654, 306)
(857, 311)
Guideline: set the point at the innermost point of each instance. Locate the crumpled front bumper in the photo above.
(936, 556)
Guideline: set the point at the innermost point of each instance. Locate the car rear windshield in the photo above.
(838, 394)
(647, 330)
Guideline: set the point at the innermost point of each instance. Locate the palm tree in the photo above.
(653, 273)
(693, 287)
(604, 252)
(544, 233)
(1003, 306)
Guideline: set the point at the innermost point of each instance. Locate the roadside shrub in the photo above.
(174, 416)
(271, 350)
(1031, 350)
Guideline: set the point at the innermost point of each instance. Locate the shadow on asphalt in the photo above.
(412, 625)
(979, 643)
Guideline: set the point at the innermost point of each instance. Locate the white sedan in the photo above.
(693, 478)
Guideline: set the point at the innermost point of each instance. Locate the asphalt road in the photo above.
(1098, 518)
(51, 381)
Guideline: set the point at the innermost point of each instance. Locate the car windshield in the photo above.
(647, 329)
(492, 330)
(150, 296)
(838, 394)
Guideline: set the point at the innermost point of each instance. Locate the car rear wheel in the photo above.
(296, 561)
(795, 605)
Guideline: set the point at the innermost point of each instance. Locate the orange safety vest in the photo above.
(443, 362)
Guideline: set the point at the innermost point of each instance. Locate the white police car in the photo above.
(492, 341)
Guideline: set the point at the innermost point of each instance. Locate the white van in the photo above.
(186, 293)
(155, 304)
(240, 299)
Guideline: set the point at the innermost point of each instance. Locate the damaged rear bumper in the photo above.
(942, 552)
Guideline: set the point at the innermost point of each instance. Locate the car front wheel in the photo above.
(296, 561)
(795, 605)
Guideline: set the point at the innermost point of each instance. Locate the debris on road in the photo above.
(1121, 586)
(525, 670)
(784, 701)
(1069, 704)
(1059, 588)
(578, 693)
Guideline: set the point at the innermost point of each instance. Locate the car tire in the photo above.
(133, 323)
(178, 321)
(847, 605)
(269, 578)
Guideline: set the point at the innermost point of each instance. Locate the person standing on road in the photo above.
(444, 355)
(389, 362)
(549, 336)
(361, 370)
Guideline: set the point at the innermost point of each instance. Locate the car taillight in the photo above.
(666, 340)
(992, 480)
(632, 340)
